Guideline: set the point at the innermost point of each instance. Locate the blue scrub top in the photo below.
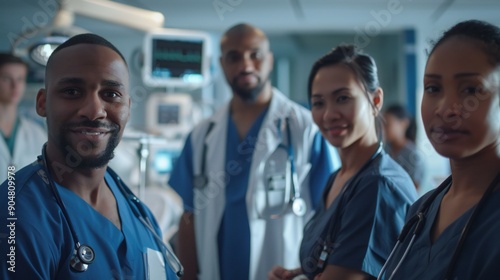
(368, 215)
(44, 244)
(479, 257)
(234, 233)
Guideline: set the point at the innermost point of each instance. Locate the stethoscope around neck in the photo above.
(292, 198)
(417, 223)
(335, 221)
(83, 254)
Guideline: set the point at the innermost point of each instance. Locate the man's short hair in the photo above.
(7, 58)
(86, 38)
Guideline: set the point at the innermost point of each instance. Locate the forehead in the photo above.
(244, 41)
(459, 54)
(334, 75)
(87, 59)
(11, 66)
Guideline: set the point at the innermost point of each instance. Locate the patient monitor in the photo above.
(176, 58)
(169, 114)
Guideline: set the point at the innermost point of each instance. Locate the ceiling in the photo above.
(274, 16)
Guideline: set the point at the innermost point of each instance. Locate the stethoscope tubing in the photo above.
(58, 198)
(292, 191)
(131, 199)
(335, 221)
(141, 214)
(418, 221)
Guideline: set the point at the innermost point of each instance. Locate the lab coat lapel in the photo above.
(270, 136)
(210, 201)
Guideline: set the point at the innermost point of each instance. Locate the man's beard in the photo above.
(84, 161)
(248, 94)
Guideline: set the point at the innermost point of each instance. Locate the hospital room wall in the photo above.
(302, 50)
(299, 51)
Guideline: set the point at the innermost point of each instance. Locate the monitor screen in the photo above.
(168, 113)
(175, 57)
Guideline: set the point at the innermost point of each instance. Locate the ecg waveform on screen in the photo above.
(177, 59)
(176, 55)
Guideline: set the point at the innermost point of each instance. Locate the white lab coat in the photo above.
(273, 242)
(27, 146)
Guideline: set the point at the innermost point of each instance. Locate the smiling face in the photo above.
(247, 63)
(461, 106)
(341, 108)
(87, 104)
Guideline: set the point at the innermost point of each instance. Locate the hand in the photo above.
(318, 276)
(280, 273)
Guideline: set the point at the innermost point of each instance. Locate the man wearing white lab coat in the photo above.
(240, 167)
(21, 138)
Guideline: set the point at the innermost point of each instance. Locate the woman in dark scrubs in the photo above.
(365, 201)
(459, 236)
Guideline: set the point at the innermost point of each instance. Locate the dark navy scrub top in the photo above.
(480, 254)
(370, 211)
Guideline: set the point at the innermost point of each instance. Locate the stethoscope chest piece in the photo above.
(82, 257)
(299, 206)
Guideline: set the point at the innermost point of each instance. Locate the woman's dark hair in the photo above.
(401, 113)
(482, 31)
(362, 65)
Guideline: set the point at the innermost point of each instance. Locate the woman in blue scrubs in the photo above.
(461, 115)
(364, 203)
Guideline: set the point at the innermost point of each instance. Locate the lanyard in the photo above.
(333, 226)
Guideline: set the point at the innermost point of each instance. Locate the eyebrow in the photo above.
(335, 92)
(231, 51)
(459, 75)
(80, 81)
(112, 83)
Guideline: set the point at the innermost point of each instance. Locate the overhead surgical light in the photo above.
(41, 51)
(38, 45)
(105, 10)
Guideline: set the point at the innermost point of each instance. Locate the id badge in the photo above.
(154, 265)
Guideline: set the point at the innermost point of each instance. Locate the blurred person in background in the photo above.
(236, 166)
(400, 134)
(22, 138)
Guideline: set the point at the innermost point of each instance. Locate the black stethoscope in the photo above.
(84, 255)
(418, 220)
(335, 221)
(297, 203)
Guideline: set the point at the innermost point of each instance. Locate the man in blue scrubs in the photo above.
(234, 171)
(68, 198)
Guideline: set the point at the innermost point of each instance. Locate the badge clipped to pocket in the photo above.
(154, 265)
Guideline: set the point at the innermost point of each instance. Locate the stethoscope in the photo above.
(293, 198)
(84, 255)
(333, 226)
(418, 220)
